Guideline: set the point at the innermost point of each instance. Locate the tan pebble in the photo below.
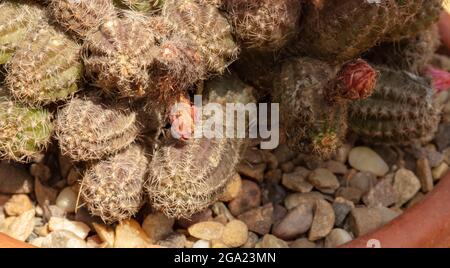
(235, 234)
(17, 205)
(208, 230)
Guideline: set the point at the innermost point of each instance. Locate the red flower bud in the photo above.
(355, 81)
(440, 79)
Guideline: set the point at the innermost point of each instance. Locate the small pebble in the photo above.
(204, 215)
(251, 240)
(157, 226)
(44, 195)
(424, 174)
(341, 208)
(67, 200)
(388, 214)
(363, 180)
(337, 237)
(350, 193)
(105, 233)
(283, 154)
(40, 171)
(364, 220)
(259, 220)
(271, 241)
(207, 230)
(253, 156)
(287, 167)
(383, 194)
(173, 241)
(324, 180)
(365, 159)
(323, 221)
(235, 234)
(273, 176)
(293, 200)
(297, 181)
(129, 234)
(302, 243)
(440, 171)
(17, 205)
(232, 189)
(248, 198)
(252, 171)
(406, 185)
(342, 153)
(62, 239)
(14, 180)
(201, 244)
(270, 159)
(295, 223)
(78, 228)
(336, 167)
(19, 227)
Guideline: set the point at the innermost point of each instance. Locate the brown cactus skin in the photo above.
(45, 68)
(113, 188)
(265, 25)
(340, 30)
(411, 54)
(188, 176)
(87, 130)
(81, 16)
(415, 16)
(119, 54)
(18, 18)
(207, 28)
(314, 98)
(401, 111)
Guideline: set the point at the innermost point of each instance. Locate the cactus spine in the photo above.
(401, 111)
(16, 21)
(264, 25)
(87, 130)
(24, 132)
(186, 177)
(313, 97)
(46, 68)
(208, 29)
(79, 17)
(113, 188)
(119, 55)
(143, 6)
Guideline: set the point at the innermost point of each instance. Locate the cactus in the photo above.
(313, 97)
(186, 177)
(24, 132)
(87, 130)
(46, 68)
(415, 16)
(143, 6)
(113, 188)
(411, 54)
(264, 25)
(119, 55)
(16, 21)
(208, 29)
(401, 111)
(81, 16)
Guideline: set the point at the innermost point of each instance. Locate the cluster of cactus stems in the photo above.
(102, 77)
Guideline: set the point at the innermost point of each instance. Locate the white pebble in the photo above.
(201, 244)
(67, 200)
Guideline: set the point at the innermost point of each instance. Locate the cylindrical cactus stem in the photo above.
(207, 28)
(337, 30)
(264, 24)
(411, 54)
(46, 67)
(310, 122)
(119, 54)
(176, 68)
(16, 21)
(414, 16)
(24, 132)
(87, 130)
(81, 16)
(401, 111)
(113, 188)
(142, 6)
(188, 176)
